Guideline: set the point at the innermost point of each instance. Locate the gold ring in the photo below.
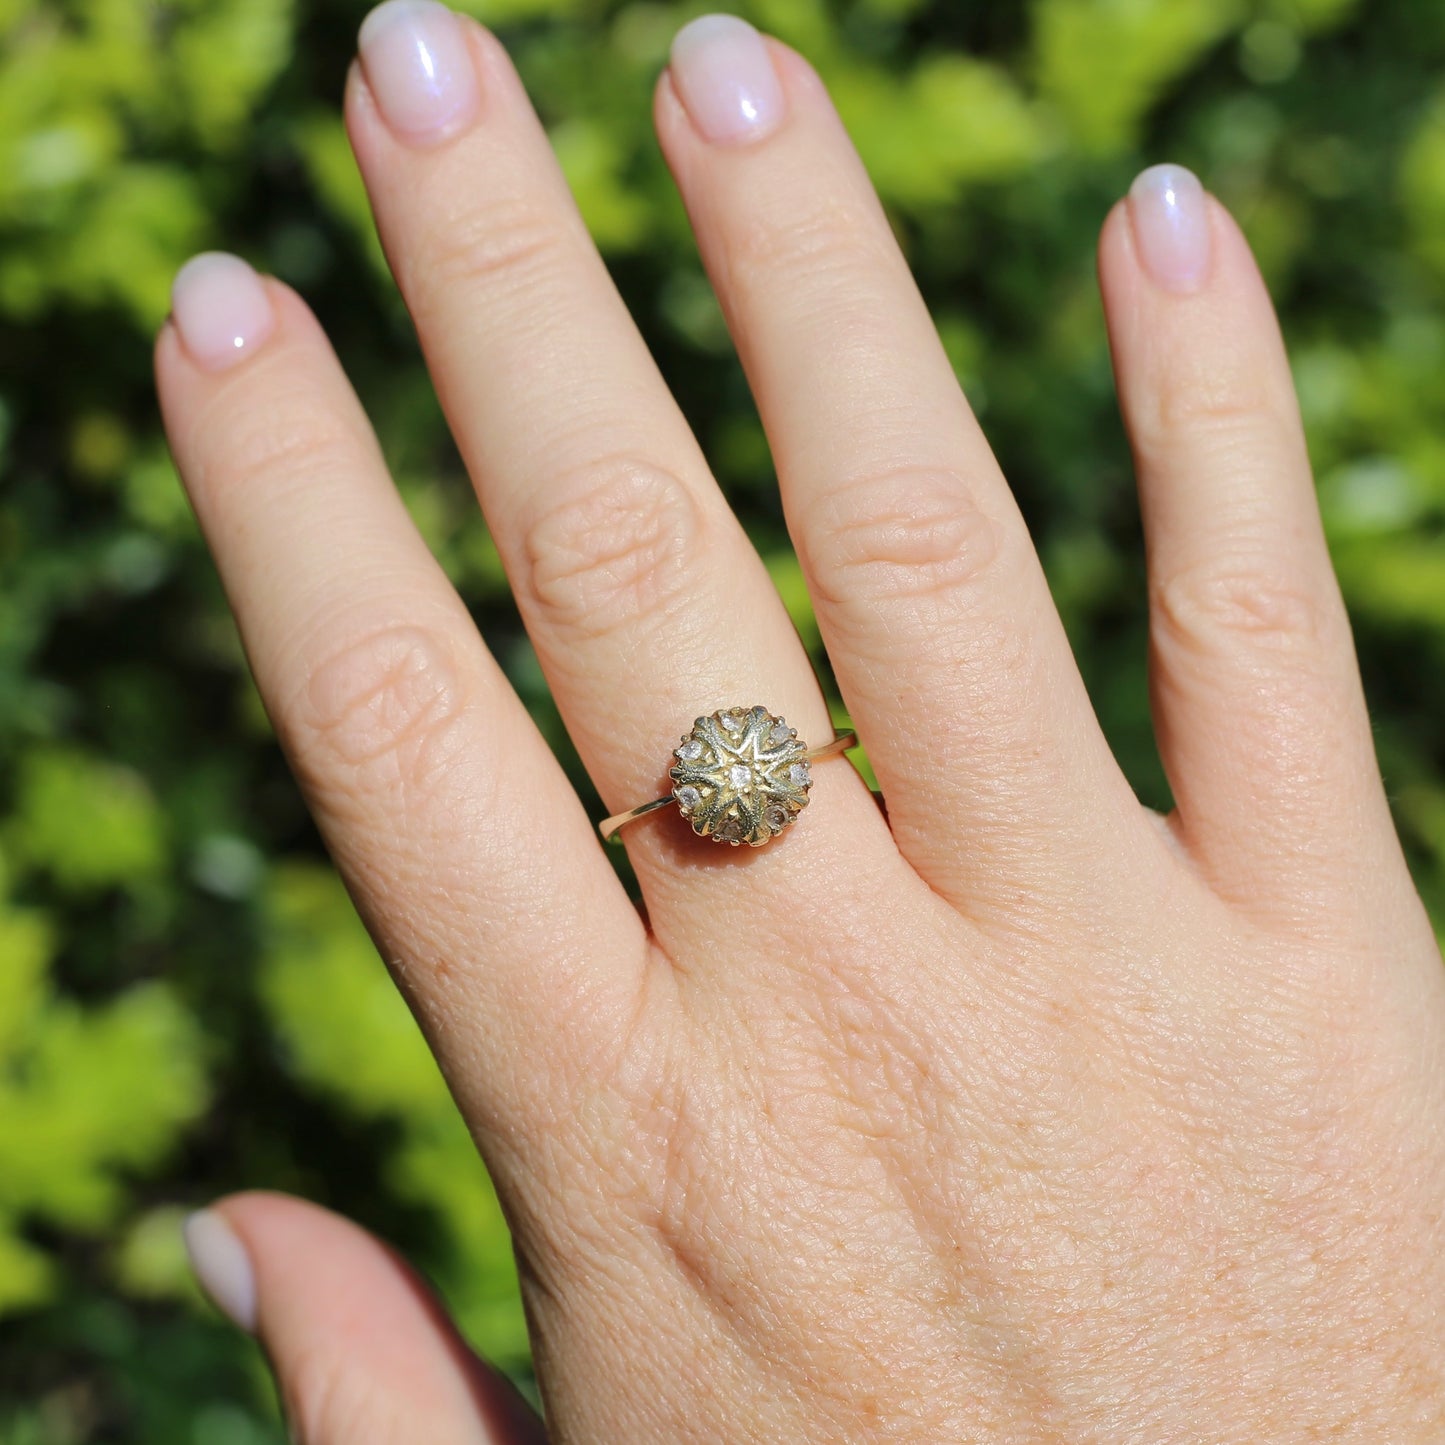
(741, 776)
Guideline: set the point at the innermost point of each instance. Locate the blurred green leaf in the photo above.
(27, 941)
(223, 54)
(27, 1274)
(1104, 63)
(952, 122)
(95, 1091)
(320, 138)
(336, 1012)
(88, 822)
(150, 1260)
(1422, 185)
(592, 159)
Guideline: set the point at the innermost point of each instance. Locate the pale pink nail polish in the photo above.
(221, 309)
(222, 1266)
(415, 56)
(725, 79)
(1170, 216)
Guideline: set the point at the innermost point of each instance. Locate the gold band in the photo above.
(843, 739)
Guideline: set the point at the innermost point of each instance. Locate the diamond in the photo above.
(691, 749)
(730, 720)
(740, 775)
(799, 775)
(687, 797)
(780, 734)
(777, 817)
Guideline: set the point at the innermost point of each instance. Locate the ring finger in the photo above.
(645, 600)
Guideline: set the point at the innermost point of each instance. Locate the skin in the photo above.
(1019, 1114)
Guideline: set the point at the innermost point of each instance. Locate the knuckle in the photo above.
(283, 444)
(613, 548)
(1227, 405)
(383, 710)
(1205, 407)
(803, 242)
(909, 533)
(1222, 604)
(506, 245)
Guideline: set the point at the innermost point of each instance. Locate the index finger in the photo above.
(466, 849)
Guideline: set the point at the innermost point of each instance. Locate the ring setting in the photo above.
(740, 776)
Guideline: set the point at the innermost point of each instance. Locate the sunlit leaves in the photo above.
(503, 12)
(89, 1094)
(88, 823)
(95, 1091)
(1103, 63)
(1422, 186)
(337, 1014)
(592, 160)
(222, 54)
(149, 1260)
(27, 1273)
(27, 941)
(81, 95)
(320, 139)
(345, 1031)
(949, 122)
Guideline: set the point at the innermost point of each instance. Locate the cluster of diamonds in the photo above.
(741, 776)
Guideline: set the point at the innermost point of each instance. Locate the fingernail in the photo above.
(221, 309)
(1171, 224)
(419, 69)
(223, 1267)
(725, 78)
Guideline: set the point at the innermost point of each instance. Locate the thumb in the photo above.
(362, 1351)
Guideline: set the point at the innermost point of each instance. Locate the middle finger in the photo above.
(929, 593)
(646, 602)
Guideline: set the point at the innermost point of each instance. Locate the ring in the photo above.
(741, 776)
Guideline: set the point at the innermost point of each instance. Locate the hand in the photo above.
(1020, 1114)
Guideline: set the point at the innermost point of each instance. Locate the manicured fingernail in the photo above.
(223, 1267)
(1171, 224)
(417, 64)
(725, 78)
(221, 309)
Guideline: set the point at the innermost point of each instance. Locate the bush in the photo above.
(187, 1003)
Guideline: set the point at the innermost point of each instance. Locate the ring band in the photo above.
(741, 775)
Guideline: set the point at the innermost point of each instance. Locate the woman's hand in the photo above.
(1020, 1114)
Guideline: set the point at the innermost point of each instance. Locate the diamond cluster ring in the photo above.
(740, 776)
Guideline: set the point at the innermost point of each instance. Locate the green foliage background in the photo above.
(187, 1004)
